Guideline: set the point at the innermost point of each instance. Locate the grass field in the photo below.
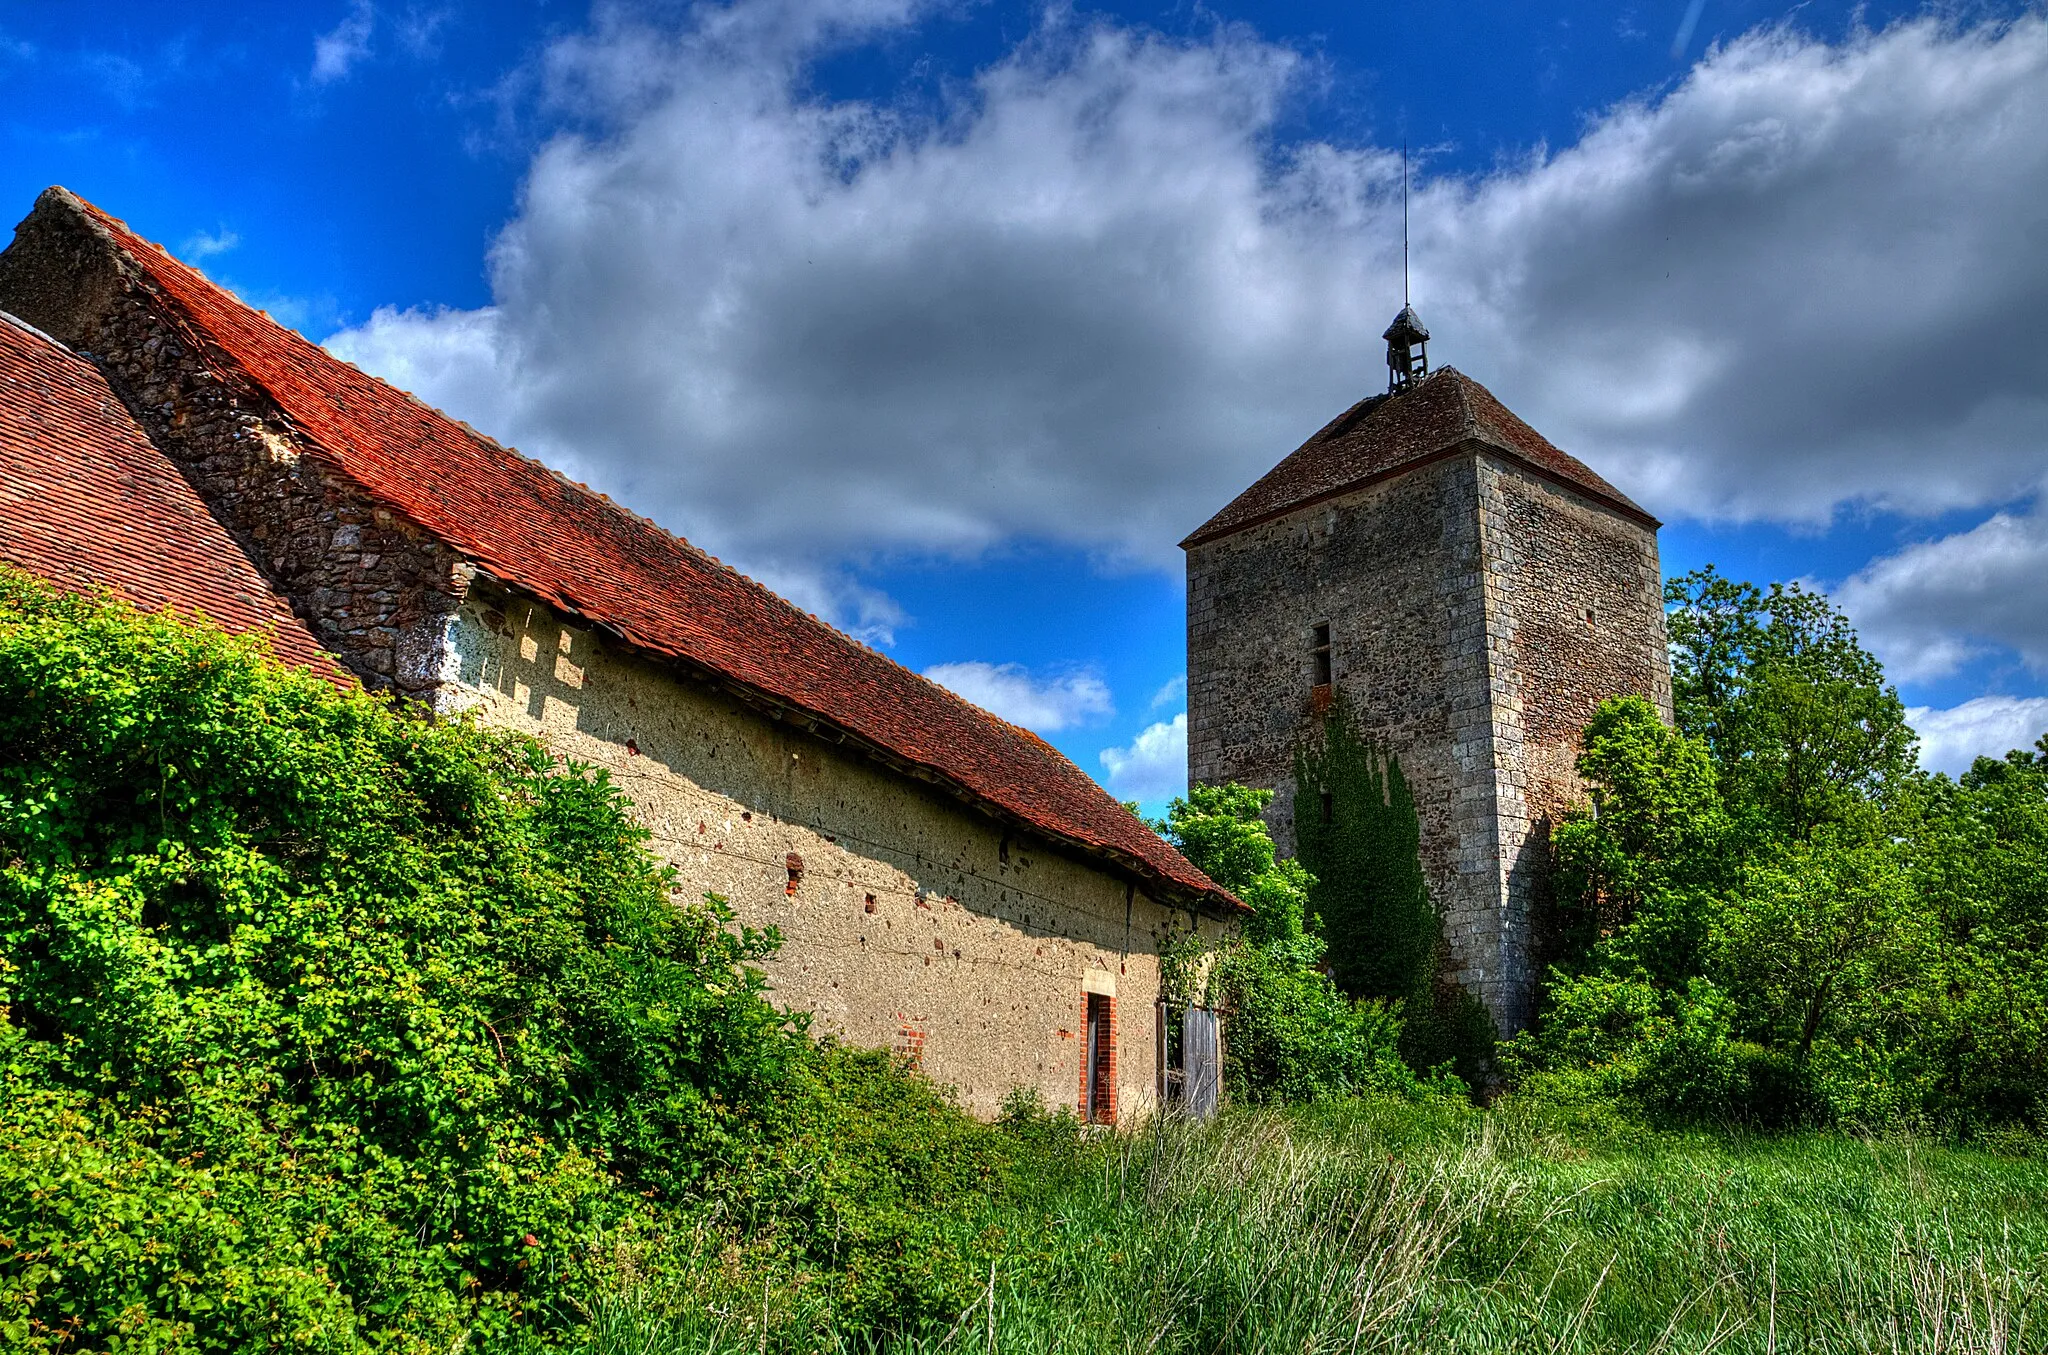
(1383, 1226)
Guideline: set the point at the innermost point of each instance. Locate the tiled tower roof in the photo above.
(87, 501)
(1385, 435)
(579, 552)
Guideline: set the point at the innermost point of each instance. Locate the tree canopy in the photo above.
(1771, 912)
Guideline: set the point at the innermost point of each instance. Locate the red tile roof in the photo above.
(577, 550)
(1384, 435)
(87, 501)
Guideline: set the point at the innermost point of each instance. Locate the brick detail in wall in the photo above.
(1114, 1087)
(909, 1044)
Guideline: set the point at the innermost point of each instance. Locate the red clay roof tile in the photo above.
(1383, 435)
(573, 548)
(87, 501)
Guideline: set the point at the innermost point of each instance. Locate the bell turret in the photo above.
(1407, 350)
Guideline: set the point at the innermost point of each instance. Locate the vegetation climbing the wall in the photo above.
(1359, 837)
(327, 1027)
(1289, 1033)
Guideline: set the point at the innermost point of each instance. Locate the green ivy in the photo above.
(1360, 839)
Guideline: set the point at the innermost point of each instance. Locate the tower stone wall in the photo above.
(1478, 613)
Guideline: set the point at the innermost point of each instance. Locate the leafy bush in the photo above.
(867, 1182)
(327, 1025)
(1670, 1055)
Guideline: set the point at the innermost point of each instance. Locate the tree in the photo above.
(1826, 926)
(1980, 862)
(1633, 864)
(1794, 711)
(1771, 909)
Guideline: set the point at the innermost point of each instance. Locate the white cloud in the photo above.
(1175, 690)
(206, 244)
(348, 42)
(1935, 605)
(1155, 764)
(1808, 277)
(1989, 726)
(1045, 705)
(1096, 295)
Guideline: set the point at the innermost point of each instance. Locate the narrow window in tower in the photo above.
(1319, 650)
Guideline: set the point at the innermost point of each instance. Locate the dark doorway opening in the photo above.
(1098, 1102)
(1190, 1059)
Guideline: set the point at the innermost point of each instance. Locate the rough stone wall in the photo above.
(1395, 570)
(369, 584)
(1575, 614)
(1456, 599)
(909, 920)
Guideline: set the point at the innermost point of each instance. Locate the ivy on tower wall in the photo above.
(1357, 833)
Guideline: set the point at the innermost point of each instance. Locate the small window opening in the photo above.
(632, 748)
(1329, 806)
(1319, 652)
(746, 816)
(1590, 618)
(869, 906)
(795, 865)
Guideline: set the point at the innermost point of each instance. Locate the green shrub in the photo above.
(1669, 1055)
(869, 1181)
(325, 1024)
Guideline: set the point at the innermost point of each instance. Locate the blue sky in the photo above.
(950, 319)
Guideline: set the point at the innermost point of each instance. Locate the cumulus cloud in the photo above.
(340, 47)
(1154, 765)
(1096, 293)
(1989, 726)
(206, 244)
(1801, 280)
(1934, 606)
(1045, 705)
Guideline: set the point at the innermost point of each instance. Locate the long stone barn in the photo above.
(946, 884)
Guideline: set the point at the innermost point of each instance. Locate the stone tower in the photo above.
(1472, 592)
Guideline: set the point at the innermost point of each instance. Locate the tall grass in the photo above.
(1374, 1227)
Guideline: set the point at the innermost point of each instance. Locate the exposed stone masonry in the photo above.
(370, 585)
(1478, 612)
